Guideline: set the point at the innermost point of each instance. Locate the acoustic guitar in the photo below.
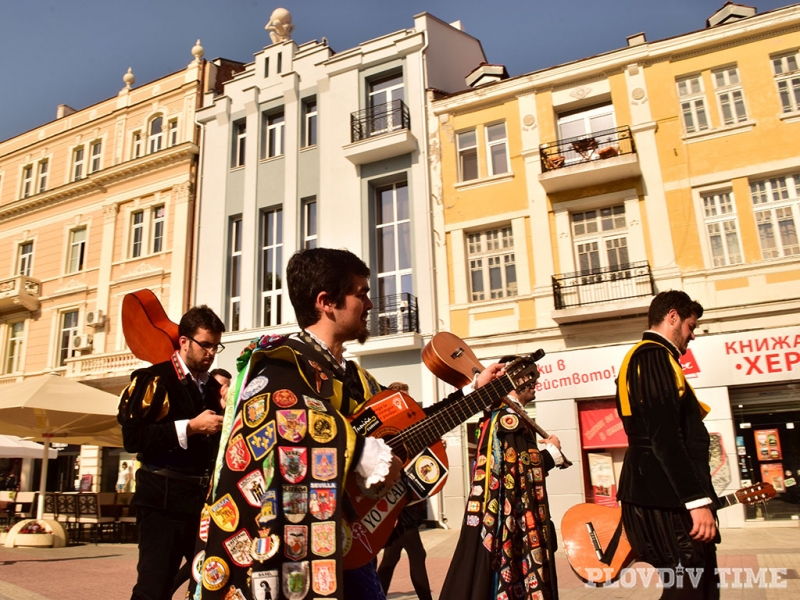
(148, 331)
(415, 438)
(450, 358)
(595, 542)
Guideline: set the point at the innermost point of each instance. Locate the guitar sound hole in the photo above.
(398, 448)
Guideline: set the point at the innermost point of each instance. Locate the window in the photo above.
(14, 347)
(279, 66)
(77, 250)
(720, 222)
(393, 240)
(159, 213)
(588, 123)
(271, 266)
(491, 264)
(310, 122)
(776, 204)
(137, 233)
(173, 132)
(386, 95)
(27, 181)
(77, 164)
(69, 329)
(274, 135)
(136, 152)
(600, 239)
(310, 222)
(44, 167)
(497, 148)
(730, 95)
(239, 144)
(787, 79)
(467, 146)
(692, 102)
(266, 66)
(25, 259)
(156, 132)
(235, 272)
(97, 155)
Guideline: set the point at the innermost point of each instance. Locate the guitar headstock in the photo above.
(755, 493)
(522, 370)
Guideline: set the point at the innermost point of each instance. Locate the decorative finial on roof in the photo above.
(198, 51)
(128, 78)
(280, 25)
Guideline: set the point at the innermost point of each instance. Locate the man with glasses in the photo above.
(171, 417)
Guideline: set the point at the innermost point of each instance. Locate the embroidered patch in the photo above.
(315, 404)
(542, 513)
(293, 462)
(540, 492)
(494, 483)
(533, 538)
(254, 386)
(511, 455)
(323, 463)
(536, 458)
(494, 506)
(284, 398)
(252, 487)
(473, 506)
(511, 525)
(295, 579)
(264, 548)
(473, 520)
(524, 458)
(536, 554)
(255, 410)
(269, 508)
(427, 469)
(323, 538)
(509, 422)
(477, 490)
(295, 541)
(264, 585)
(480, 474)
(292, 424)
(488, 521)
(324, 576)
(237, 424)
(262, 440)
(537, 474)
(321, 427)
(237, 457)
(197, 566)
(238, 547)
(538, 595)
(509, 481)
(488, 539)
(322, 500)
(529, 520)
(205, 521)
(481, 461)
(215, 573)
(233, 593)
(295, 502)
(268, 467)
(506, 574)
(320, 375)
(225, 513)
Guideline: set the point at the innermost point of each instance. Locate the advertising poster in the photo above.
(773, 473)
(768, 444)
(601, 473)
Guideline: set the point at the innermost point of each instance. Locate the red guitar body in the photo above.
(384, 416)
(148, 331)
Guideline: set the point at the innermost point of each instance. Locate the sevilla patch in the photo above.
(323, 538)
(238, 547)
(322, 500)
(225, 513)
(323, 466)
(324, 576)
(295, 502)
(261, 441)
(295, 541)
(292, 424)
(215, 573)
(269, 508)
(237, 456)
(284, 398)
(321, 427)
(293, 462)
(255, 410)
(295, 579)
(252, 487)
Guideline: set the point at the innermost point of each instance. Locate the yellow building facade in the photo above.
(565, 199)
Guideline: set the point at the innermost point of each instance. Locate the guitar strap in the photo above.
(613, 544)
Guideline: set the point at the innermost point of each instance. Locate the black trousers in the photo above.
(411, 541)
(660, 536)
(165, 538)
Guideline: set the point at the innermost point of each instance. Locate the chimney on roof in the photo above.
(484, 74)
(63, 111)
(729, 13)
(637, 39)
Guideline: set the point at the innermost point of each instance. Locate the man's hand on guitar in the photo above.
(704, 526)
(552, 440)
(490, 373)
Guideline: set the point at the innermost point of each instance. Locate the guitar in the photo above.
(595, 542)
(148, 331)
(416, 440)
(449, 358)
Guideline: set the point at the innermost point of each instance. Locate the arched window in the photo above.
(156, 133)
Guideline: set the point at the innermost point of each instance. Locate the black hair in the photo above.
(316, 270)
(200, 317)
(666, 301)
(222, 372)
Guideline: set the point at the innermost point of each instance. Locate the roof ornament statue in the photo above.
(128, 78)
(280, 25)
(198, 51)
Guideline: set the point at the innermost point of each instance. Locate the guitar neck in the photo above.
(431, 429)
(728, 500)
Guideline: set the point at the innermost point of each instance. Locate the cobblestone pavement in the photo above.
(108, 571)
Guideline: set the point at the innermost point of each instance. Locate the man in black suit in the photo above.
(668, 500)
(171, 416)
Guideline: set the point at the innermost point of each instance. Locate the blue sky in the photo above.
(75, 52)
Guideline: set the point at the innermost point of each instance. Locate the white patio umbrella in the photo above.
(53, 409)
(13, 447)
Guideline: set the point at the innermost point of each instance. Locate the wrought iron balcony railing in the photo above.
(398, 313)
(380, 119)
(607, 284)
(586, 148)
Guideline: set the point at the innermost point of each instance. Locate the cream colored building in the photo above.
(566, 198)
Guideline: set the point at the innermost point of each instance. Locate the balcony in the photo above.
(603, 293)
(19, 292)
(110, 371)
(591, 159)
(380, 132)
(394, 314)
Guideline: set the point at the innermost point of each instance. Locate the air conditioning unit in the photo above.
(95, 318)
(81, 342)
